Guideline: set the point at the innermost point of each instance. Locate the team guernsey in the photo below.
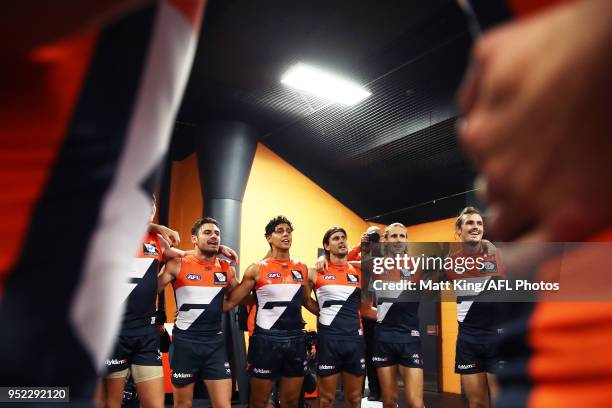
(340, 345)
(397, 323)
(198, 349)
(138, 342)
(85, 123)
(277, 345)
(479, 319)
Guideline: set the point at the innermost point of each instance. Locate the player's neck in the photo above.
(472, 247)
(204, 257)
(278, 253)
(337, 260)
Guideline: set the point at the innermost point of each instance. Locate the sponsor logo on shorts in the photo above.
(261, 371)
(182, 375)
(226, 365)
(220, 278)
(466, 366)
(362, 360)
(150, 249)
(329, 277)
(352, 278)
(326, 367)
(375, 358)
(159, 356)
(297, 275)
(415, 333)
(115, 361)
(274, 275)
(193, 277)
(228, 371)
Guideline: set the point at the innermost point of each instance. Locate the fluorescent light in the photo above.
(324, 84)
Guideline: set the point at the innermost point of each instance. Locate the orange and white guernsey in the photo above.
(339, 296)
(200, 288)
(279, 290)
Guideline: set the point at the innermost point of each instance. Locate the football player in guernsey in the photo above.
(340, 345)
(476, 358)
(201, 282)
(397, 342)
(277, 348)
(137, 346)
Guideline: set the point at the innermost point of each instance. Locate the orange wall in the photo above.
(442, 231)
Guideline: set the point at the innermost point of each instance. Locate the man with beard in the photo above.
(397, 329)
(477, 358)
(201, 282)
(340, 346)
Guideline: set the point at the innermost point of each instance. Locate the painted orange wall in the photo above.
(442, 231)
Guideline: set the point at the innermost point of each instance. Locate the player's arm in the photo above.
(240, 292)
(171, 236)
(31, 23)
(168, 273)
(168, 251)
(307, 301)
(366, 309)
(248, 300)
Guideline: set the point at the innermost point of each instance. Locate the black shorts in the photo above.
(139, 350)
(473, 358)
(271, 357)
(192, 361)
(335, 354)
(405, 354)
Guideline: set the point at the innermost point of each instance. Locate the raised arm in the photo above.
(240, 291)
(168, 273)
(249, 299)
(307, 301)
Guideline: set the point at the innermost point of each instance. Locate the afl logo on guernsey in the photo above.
(297, 275)
(489, 266)
(274, 275)
(220, 278)
(329, 277)
(350, 278)
(193, 277)
(150, 249)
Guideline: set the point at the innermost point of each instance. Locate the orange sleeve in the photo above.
(355, 253)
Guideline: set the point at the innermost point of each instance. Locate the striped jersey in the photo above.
(200, 289)
(279, 290)
(140, 289)
(338, 293)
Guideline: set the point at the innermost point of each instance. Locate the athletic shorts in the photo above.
(271, 357)
(472, 358)
(336, 354)
(405, 354)
(194, 361)
(140, 350)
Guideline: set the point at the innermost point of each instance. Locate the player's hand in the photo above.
(321, 264)
(228, 253)
(365, 237)
(536, 109)
(168, 234)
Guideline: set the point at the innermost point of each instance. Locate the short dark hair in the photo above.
(278, 220)
(465, 211)
(198, 224)
(328, 235)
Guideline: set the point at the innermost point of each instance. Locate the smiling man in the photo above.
(476, 358)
